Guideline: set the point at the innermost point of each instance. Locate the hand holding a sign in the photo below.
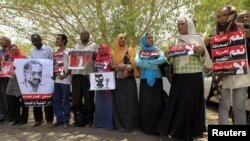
(120, 67)
(247, 33)
(166, 53)
(61, 77)
(1, 58)
(125, 73)
(199, 50)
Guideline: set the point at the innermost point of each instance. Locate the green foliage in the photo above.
(1, 33)
(205, 13)
(246, 4)
(105, 19)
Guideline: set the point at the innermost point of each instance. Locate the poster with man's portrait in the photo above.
(6, 69)
(102, 81)
(78, 59)
(34, 80)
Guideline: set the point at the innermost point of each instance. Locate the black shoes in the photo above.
(38, 123)
(15, 122)
(2, 119)
(22, 123)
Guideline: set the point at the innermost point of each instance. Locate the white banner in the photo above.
(34, 80)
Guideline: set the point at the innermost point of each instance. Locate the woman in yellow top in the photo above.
(125, 97)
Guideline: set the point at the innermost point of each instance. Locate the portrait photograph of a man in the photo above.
(34, 79)
(32, 71)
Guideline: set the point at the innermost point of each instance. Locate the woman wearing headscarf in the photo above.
(13, 91)
(151, 100)
(184, 115)
(103, 100)
(125, 98)
(236, 85)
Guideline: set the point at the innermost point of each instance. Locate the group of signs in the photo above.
(229, 57)
(34, 76)
(229, 53)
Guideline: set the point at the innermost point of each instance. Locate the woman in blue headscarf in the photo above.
(151, 100)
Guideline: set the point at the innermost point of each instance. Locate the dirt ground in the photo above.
(10, 132)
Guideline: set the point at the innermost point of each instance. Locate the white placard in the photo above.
(102, 81)
(78, 59)
(34, 80)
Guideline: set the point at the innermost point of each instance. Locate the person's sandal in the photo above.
(38, 123)
(49, 124)
(65, 125)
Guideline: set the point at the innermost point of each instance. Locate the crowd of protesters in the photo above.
(181, 115)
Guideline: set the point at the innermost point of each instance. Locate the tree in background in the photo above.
(205, 13)
(107, 18)
(103, 18)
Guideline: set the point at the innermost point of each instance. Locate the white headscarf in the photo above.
(193, 38)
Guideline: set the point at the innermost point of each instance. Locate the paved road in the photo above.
(43, 133)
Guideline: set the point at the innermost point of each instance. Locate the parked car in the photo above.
(215, 98)
(207, 86)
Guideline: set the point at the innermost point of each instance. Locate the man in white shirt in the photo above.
(81, 85)
(41, 52)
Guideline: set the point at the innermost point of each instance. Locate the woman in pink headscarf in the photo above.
(103, 104)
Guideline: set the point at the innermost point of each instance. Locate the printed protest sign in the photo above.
(102, 81)
(34, 78)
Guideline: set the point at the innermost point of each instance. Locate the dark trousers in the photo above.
(24, 112)
(38, 113)
(80, 90)
(16, 104)
(4, 106)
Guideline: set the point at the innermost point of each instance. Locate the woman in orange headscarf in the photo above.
(125, 97)
(13, 92)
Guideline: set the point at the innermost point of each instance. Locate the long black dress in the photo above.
(185, 107)
(125, 102)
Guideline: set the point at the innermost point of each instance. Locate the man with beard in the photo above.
(33, 76)
(40, 51)
(83, 111)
